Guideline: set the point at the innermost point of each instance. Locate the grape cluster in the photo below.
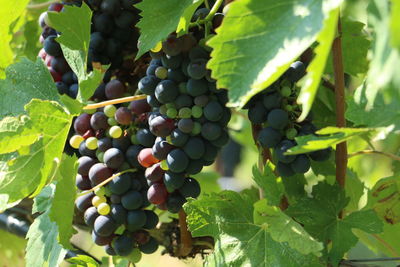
(65, 79)
(277, 111)
(189, 119)
(113, 33)
(109, 141)
(113, 37)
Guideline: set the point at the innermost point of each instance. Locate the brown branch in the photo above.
(387, 245)
(366, 152)
(341, 149)
(186, 237)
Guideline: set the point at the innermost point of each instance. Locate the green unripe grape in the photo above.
(185, 113)
(289, 107)
(112, 121)
(197, 112)
(115, 132)
(75, 141)
(291, 133)
(172, 113)
(134, 139)
(107, 191)
(100, 191)
(100, 156)
(170, 105)
(103, 209)
(183, 88)
(164, 165)
(97, 200)
(135, 255)
(91, 143)
(120, 230)
(169, 140)
(110, 111)
(286, 91)
(196, 128)
(161, 73)
(163, 109)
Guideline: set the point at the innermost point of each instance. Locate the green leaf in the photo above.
(43, 248)
(395, 24)
(330, 136)
(27, 174)
(160, 18)
(384, 111)
(15, 134)
(186, 17)
(311, 81)
(74, 106)
(62, 208)
(383, 75)
(270, 184)
(239, 239)
(74, 23)
(9, 13)
(25, 80)
(83, 261)
(384, 198)
(319, 215)
(11, 249)
(282, 228)
(240, 64)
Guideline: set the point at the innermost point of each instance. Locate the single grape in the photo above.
(90, 216)
(198, 52)
(258, 113)
(82, 124)
(150, 247)
(118, 213)
(284, 170)
(132, 155)
(201, 100)
(269, 137)
(175, 202)
(197, 87)
(272, 100)
(145, 137)
(183, 100)
(321, 155)
(166, 91)
(211, 131)
(197, 69)
(109, 250)
(104, 225)
(84, 202)
(115, 89)
(82, 182)
(123, 245)
(178, 138)
(52, 47)
(101, 240)
(301, 164)
(278, 119)
(84, 165)
(190, 188)
(173, 181)
(136, 219)
(161, 73)
(185, 125)
(176, 75)
(196, 128)
(98, 121)
(120, 184)
(104, 144)
(172, 46)
(154, 173)
(161, 149)
(177, 160)
(281, 148)
(75, 141)
(213, 111)
(148, 84)
(139, 106)
(91, 143)
(291, 133)
(132, 200)
(98, 173)
(123, 116)
(161, 126)
(157, 194)
(84, 151)
(115, 132)
(295, 72)
(194, 148)
(194, 167)
(103, 209)
(97, 200)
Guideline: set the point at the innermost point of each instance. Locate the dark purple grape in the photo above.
(104, 226)
(82, 124)
(123, 116)
(82, 182)
(162, 126)
(115, 89)
(98, 173)
(98, 121)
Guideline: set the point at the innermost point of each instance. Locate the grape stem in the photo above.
(115, 101)
(207, 4)
(105, 182)
(41, 5)
(210, 15)
(341, 149)
(366, 152)
(186, 237)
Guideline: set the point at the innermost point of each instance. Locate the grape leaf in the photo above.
(11, 249)
(62, 208)
(83, 261)
(74, 23)
(27, 174)
(319, 215)
(183, 25)
(229, 217)
(384, 112)
(286, 29)
(355, 45)
(282, 228)
(73, 106)
(159, 19)
(310, 83)
(14, 134)
(43, 248)
(9, 12)
(270, 184)
(395, 24)
(330, 136)
(25, 80)
(383, 75)
(384, 198)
